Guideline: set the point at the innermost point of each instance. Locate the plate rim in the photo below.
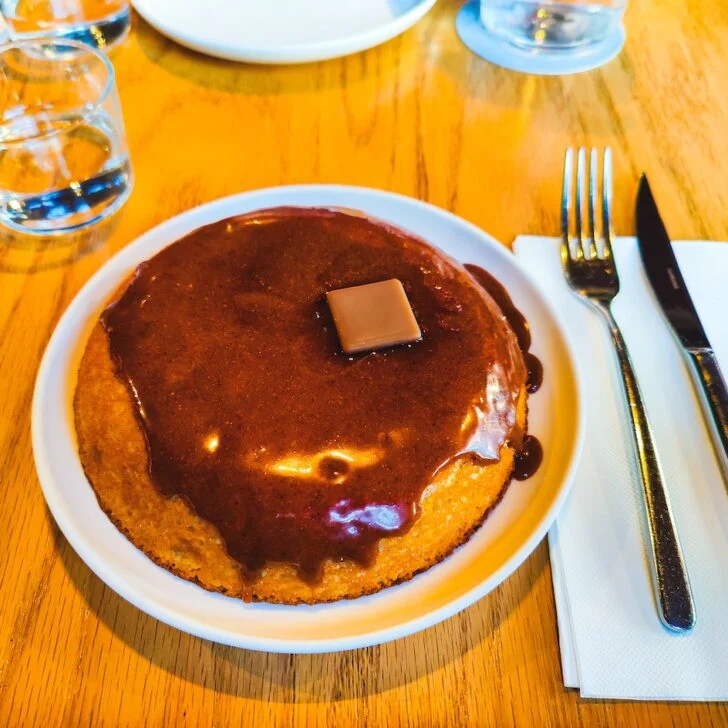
(84, 548)
(291, 53)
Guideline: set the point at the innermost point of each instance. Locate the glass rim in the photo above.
(77, 114)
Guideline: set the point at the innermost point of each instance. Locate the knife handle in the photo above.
(713, 394)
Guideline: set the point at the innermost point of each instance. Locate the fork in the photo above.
(592, 275)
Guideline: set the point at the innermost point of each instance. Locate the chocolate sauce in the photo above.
(534, 367)
(528, 458)
(516, 320)
(498, 293)
(530, 452)
(252, 413)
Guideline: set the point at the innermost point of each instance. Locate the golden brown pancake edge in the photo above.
(113, 454)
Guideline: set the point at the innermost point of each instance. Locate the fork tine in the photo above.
(607, 202)
(580, 183)
(592, 229)
(566, 204)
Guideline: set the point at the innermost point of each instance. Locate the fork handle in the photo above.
(674, 598)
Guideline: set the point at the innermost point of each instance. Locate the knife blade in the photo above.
(672, 294)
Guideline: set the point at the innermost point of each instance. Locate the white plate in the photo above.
(499, 546)
(281, 31)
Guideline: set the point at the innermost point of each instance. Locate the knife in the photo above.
(672, 293)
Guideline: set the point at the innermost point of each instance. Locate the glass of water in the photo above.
(63, 157)
(102, 23)
(552, 24)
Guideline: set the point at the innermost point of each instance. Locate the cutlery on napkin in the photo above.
(611, 644)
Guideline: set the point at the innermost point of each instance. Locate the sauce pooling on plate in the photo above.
(294, 451)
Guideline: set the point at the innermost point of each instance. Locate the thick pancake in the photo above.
(228, 436)
(114, 456)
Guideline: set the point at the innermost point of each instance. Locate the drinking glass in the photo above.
(63, 157)
(102, 23)
(552, 24)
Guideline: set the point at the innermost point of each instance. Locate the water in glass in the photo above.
(552, 24)
(63, 157)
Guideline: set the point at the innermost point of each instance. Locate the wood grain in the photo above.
(420, 115)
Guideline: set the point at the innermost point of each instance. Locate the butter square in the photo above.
(373, 316)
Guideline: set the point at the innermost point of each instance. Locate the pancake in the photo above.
(445, 460)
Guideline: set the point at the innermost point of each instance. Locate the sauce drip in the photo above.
(534, 367)
(295, 452)
(530, 452)
(528, 458)
(516, 320)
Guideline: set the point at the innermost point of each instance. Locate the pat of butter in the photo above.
(373, 316)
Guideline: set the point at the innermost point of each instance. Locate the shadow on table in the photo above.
(24, 253)
(280, 678)
(475, 78)
(272, 80)
(234, 76)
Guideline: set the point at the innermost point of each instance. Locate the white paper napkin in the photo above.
(612, 642)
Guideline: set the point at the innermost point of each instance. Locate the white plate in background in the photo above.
(505, 540)
(281, 31)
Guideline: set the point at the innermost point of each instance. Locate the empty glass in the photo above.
(63, 157)
(552, 24)
(102, 23)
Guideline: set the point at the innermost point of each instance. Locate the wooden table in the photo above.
(420, 115)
